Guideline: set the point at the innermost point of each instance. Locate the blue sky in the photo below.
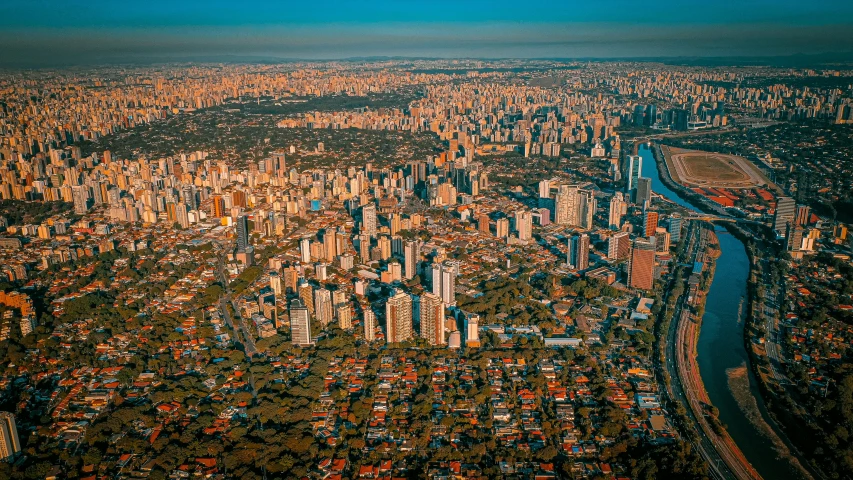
(75, 31)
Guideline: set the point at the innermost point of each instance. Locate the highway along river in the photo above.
(722, 356)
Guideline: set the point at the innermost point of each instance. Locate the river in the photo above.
(721, 349)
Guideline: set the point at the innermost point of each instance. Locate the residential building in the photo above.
(642, 265)
(398, 317)
(300, 324)
(432, 319)
(10, 444)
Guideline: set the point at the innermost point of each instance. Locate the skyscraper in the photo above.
(635, 167)
(545, 189)
(502, 228)
(642, 265)
(217, 206)
(323, 306)
(619, 246)
(330, 245)
(398, 317)
(80, 196)
(432, 319)
(662, 240)
(444, 281)
(524, 225)
(300, 324)
(586, 206)
(305, 250)
(10, 444)
(291, 279)
(565, 205)
(785, 213)
(617, 205)
(368, 218)
(412, 256)
(344, 314)
(364, 247)
(793, 237)
(242, 227)
(472, 332)
(675, 227)
(369, 324)
(306, 293)
(643, 194)
(579, 252)
(483, 224)
(275, 283)
(650, 223)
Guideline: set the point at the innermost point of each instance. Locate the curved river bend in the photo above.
(721, 349)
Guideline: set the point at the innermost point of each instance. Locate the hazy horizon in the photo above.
(51, 32)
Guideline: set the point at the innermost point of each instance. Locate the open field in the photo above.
(694, 168)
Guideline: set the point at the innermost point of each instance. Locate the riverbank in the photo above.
(776, 428)
(688, 330)
(724, 341)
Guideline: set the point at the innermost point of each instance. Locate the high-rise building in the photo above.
(472, 332)
(785, 213)
(80, 196)
(28, 323)
(793, 237)
(241, 225)
(291, 279)
(502, 228)
(306, 293)
(275, 283)
(524, 225)
(444, 281)
(330, 245)
(545, 189)
(650, 223)
(643, 193)
(217, 206)
(619, 246)
(344, 314)
(566, 206)
(300, 324)
(398, 317)
(368, 219)
(364, 248)
(412, 256)
(305, 250)
(578, 258)
(586, 206)
(642, 265)
(483, 224)
(10, 444)
(635, 167)
(803, 215)
(432, 318)
(675, 227)
(662, 240)
(323, 306)
(369, 321)
(617, 207)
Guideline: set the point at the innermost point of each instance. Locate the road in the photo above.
(725, 459)
(773, 336)
(688, 386)
(705, 447)
(244, 332)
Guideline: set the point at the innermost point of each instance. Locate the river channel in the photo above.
(721, 351)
